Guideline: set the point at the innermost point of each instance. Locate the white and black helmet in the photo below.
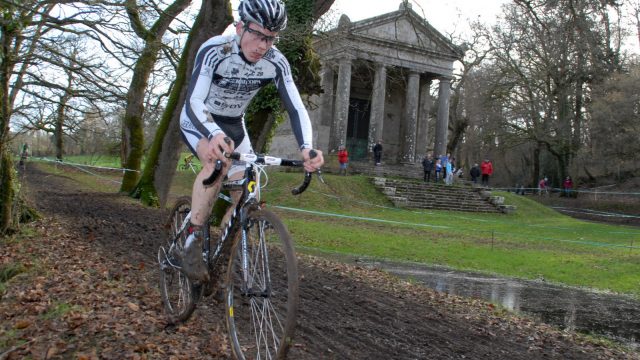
(270, 14)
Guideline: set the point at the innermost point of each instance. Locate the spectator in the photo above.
(567, 187)
(377, 152)
(543, 186)
(343, 159)
(445, 160)
(427, 166)
(438, 169)
(487, 170)
(448, 173)
(474, 173)
(547, 184)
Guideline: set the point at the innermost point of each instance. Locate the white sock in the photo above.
(190, 239)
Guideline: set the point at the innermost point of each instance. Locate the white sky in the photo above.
(447, 16)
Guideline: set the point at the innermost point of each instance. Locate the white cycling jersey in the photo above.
(222, 85)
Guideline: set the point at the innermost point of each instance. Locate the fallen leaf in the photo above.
(133, 306)
(52, 351)
(22, 324)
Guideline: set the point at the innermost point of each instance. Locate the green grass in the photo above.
(111, 161)
(8, 271)
(348, 216)
(59, 310)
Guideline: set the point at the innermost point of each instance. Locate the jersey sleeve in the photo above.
(300, 121)
(198, 90)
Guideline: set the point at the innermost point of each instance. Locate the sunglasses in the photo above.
(262, 37)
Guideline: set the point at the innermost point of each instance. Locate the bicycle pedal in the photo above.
(166, 262)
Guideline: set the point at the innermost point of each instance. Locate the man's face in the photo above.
(255, 40)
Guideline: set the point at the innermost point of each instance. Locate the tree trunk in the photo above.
(133, 122)
(59, 128)
(7, 192)
(458, 127)
(153, 188)
(11, 37)
(258, 125)
(535, 174)
(6, 164)
(262, 141)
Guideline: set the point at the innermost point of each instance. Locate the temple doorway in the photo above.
(358, 128)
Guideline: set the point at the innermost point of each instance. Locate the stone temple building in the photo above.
(376, 77)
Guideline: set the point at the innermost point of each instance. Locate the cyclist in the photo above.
(24, 154)
(188, 162)
(228, 72)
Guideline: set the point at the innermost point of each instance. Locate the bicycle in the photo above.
(188, 164)
(23, 160)
(261, 283)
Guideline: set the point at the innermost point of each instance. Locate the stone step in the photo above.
(404, 186)
(459, 197)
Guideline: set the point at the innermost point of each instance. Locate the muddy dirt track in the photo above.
(346, 312)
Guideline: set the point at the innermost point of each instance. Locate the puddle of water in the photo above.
(613, 316)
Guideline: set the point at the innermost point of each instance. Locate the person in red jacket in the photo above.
(567, 186)
(343, 159)
(486, 168)
(543, 188)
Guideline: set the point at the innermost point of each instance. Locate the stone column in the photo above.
(326, 99)
(422, 141)
(442, 123)
(378, 100)
(411, 118)
(341, 109)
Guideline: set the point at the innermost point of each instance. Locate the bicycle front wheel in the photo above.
(262, 289)
(179, 295)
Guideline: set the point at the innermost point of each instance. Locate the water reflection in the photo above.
(617, 317)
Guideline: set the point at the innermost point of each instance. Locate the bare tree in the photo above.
(152, 36)
(41, 40)
(476, 51)
(548, 56)
(615, 125)
(214, 16)
(636, 17)
(15, 24)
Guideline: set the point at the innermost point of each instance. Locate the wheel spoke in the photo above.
(178, 294)
(263, 309)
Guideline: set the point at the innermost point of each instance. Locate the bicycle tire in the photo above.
(179, 295)
(261, 322)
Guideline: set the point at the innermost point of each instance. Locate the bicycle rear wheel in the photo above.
(179, 295)
(262, 297)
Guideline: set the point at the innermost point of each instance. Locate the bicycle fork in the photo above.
(164, 258)
(258, 259)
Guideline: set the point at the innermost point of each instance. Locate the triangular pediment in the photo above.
(404, 28)
(399, 31)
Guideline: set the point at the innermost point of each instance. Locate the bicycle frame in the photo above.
(250, 195)
(254, 245)
(250, 186)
